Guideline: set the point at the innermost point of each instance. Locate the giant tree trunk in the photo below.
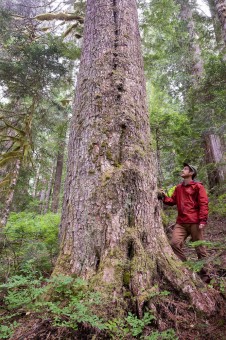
(221, 10)
(111, 233)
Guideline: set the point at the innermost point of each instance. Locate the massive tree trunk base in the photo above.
(128, 278)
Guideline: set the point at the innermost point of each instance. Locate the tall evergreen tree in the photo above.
(110, 226)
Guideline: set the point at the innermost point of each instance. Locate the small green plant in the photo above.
(7, 331)
(169, 334)
(156, 292)
(137, 325)
(117, 328)
(131, 325)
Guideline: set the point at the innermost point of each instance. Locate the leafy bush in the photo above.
(32, 238)
(218, 205)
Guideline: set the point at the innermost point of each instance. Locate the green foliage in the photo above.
(195, 266)
(137, 325)
(117, 327)
(6, 331)
(218, 247)
(156, 292)
(130, 325)
(71, 302)
(30, 238)
(68, 302)
(217, 205)
(169, 334)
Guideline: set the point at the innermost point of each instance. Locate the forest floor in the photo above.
(213, 328)
(196, 326)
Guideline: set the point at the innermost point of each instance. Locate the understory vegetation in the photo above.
(29, 249)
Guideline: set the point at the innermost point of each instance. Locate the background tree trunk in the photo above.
(111, 231)
(186, 16)
(215, 156)
(58, 178)
(10, 193)
(48, 192)
(221, 10)
(36, 181)
(216, 23)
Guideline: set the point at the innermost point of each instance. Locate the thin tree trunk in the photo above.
(48, 194)
(111, 233)
(42, 195)
(36, 180)
(10, 194)
(221, 11)
(58, 178)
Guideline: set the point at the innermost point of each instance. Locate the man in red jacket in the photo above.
(192, 205)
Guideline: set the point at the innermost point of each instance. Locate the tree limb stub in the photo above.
(59, 16)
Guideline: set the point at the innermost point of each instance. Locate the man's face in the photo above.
(186, 172)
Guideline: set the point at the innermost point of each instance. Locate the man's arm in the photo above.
(203, 207)
(170, 200)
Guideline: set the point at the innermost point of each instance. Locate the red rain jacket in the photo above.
(191, 201)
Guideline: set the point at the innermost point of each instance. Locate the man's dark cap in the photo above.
(192, 168)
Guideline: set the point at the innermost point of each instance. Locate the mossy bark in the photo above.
(111, 230)
(221, 11)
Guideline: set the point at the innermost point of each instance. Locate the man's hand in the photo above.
(201, 226)
(161, 194)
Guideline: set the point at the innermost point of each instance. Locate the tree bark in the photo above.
(10, 194)
(36, 180)
(186, 16)
(216, 23)
(111, 233)
(221, 11)
(48, 193)
(58, 178)
(215, 156)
